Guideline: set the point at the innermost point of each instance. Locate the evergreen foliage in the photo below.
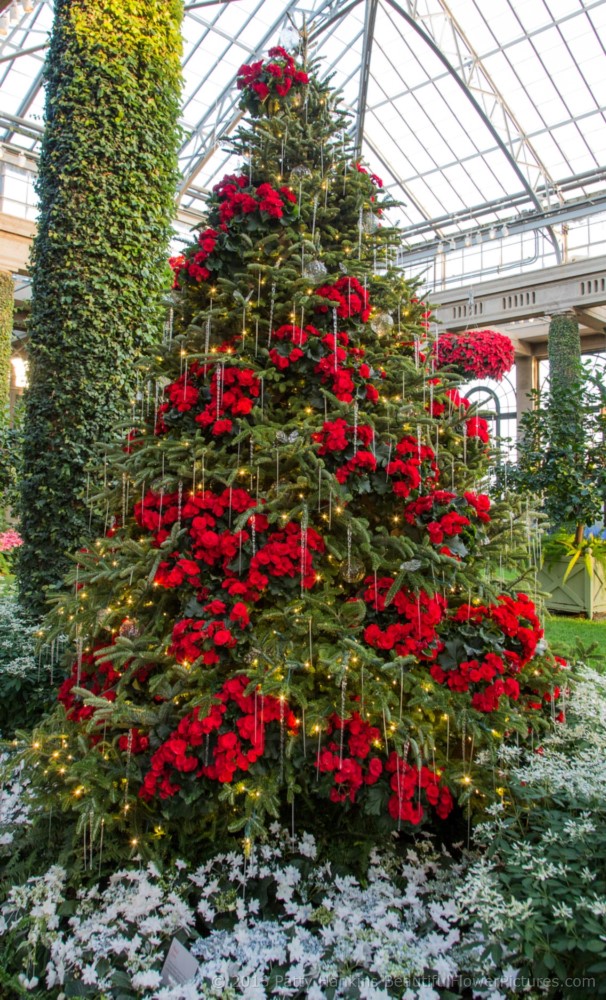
(564, 348)
(106, 187)
(10, 441)
(298, 611)
(561, 457)
(7, 291)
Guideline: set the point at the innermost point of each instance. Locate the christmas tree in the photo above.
(298, 608)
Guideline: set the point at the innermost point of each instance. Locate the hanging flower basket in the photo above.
(481, 353)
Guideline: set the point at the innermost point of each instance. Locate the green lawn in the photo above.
(563, 633)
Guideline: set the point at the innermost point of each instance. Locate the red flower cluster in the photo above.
(444, 515)
(283, 553)
(233, 392)
(92, 674)
(277, 78)
(238, 198)
(407, 783)
(456, 400)
(361, 464)
(234, 747)
(194, 264)
(374, 177)
(193, 638)
(515, 618)
(513, 630)
(177, 569)
(415, 618)
(475, 672)
(286, 553)
(337, 435)
(134, 742)
(548, 696)
(474, 427)
(349, 760)
(414, 465)
(331, 368)
(289, 334)
(348, 296)
(477, 427)
(177, 264)
(157, 512)
(481, 353)
(480, 503)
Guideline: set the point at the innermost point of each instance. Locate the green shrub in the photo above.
(539, 894)
(25, 680)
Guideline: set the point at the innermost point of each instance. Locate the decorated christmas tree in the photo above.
(299, 607)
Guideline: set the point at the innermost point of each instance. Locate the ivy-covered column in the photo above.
(7, 292)
(106, 187)
(565, 412)
(564, 347)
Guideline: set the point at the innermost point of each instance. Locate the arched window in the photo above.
(497, 401)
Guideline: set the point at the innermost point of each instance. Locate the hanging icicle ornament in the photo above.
(297, 176)
(382, 324)
(352, 569)
(370, 222)
(314, 270)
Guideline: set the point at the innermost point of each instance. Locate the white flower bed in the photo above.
(277, 925)
(14, 805)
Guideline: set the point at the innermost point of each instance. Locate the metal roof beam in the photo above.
(24, 52)
(369, 31)
(480, 111)
(388, 166)
(514, 226)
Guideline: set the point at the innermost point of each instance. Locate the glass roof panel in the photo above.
(472, 109)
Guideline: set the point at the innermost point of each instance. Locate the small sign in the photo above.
(179, 965)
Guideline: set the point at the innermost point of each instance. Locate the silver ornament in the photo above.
(289, 38)
(284, 438)
(129, 629)
(300, 173)
(381, 324)
(352, 570)
(314, 270)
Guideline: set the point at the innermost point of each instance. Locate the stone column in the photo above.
(526, 381)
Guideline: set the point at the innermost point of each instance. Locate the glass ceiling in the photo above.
(486, 120)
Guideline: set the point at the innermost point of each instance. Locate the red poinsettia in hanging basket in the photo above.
(481, 353)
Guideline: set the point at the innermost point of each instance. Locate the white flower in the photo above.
(315, 993)
(562, 911)
(146, 980)
(89, 975)
(28, 984)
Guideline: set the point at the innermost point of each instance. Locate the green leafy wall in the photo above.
(106, 187)
(6, 332)
(564, 353)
